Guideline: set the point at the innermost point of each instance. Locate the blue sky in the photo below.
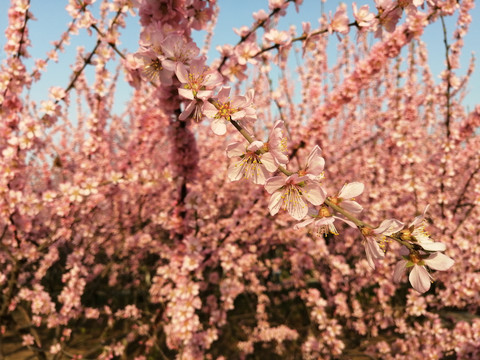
(52, 20)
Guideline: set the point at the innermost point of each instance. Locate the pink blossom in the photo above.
(375, 239)
(153, 68)
(315, 165)
(293, 193)
(224, 109)
(419, 276)
(363, 16)
(417, 234)
(277, 37)
(177, 50)
(198, 84)
(339, 21)
(345, 197)
(252, 165)
(276, 146)
(322, 222)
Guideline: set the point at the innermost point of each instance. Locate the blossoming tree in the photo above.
(222, 216)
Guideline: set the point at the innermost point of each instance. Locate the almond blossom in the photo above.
(339, 22)
(223, 109)
(363, 16)
(315, 165)
(177, 50)
(252, 165)
(152, 66)
(416, 234)
(346, 196)
(322, 222)
(293, 193)
(419, 276)
(375, 239)
(276, 146)
(198, 82)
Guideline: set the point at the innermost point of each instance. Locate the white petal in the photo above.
(218, 126)
(419, 278)
(351, 190)
(433, 246)
(439, 261)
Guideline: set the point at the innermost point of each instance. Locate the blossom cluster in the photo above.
(204, 221)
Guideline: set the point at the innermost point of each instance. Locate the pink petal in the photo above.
(418, 220)
(274, 183)
(186, 93)
(439, 261)
(255, 145)
(389, 227)
(352, 206)
(315, 163)
(223, 94)
(236, 148)
(399, 270)
(269, 162)
(314, 193)
(351, 190)
(209, 110)
(419, 278)
(182, 73)
(303, 224)
(297, 209)
(275, 203)
(188, 110)
(235, 171)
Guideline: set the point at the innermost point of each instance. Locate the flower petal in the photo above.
(269, 162)
(352, 206)
(389, 227)
(274, 183)
(351, 190)
(275, 203)
(399, 270)
(236, 170)
(314, 193)
(218, 126)
(439, 261)
(236, 148)
(420, 278)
